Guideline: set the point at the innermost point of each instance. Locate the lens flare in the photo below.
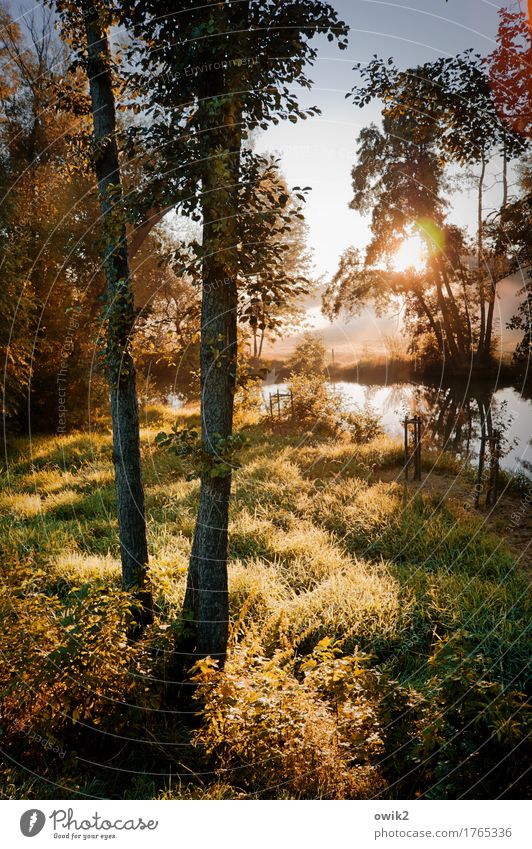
(411, 255)
(432, 235)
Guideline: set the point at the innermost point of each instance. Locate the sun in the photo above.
(411, 254)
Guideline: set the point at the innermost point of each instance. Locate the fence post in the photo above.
(413, 458)
(407, 459)
(478, 485)
(417, 447)
(493, 484)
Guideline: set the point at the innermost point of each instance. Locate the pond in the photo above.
(452, 416)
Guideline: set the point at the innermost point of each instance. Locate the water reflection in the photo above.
(454, 418)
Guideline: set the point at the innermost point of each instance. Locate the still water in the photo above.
(452, 416)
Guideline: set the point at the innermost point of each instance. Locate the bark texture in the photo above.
(120, 317)
(206, 600)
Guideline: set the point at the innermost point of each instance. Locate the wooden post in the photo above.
(497, 450)
(493, 484)
(417, 448)
(407, 460)
(413, 457)
(478, 485)
(292, 403)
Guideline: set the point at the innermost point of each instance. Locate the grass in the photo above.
(328, 563)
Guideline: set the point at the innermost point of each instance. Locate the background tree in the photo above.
(309, 355)
(168, 305)
(514, 227)
(509, 71)
(47, 210)
(400, 178)
(276, 278)
(452, 102)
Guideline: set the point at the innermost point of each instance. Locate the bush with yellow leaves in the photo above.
(66, 658)
(288, 726)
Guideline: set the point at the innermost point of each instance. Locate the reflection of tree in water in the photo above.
(398, 397)
(455, 419)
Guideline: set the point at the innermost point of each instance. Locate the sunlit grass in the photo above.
(20, 504)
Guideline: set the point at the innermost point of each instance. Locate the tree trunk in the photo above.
(262, 334)
(433, 324)
(480, 257)
(447, 324)
(469, 326)
(206, 600)
(504, 173)
(120, 317)
(454, 311)
(486, 348)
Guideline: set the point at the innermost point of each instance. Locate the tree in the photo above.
(449, 103)
(514, 227)
(275, 279)
(509, 71)
(93, 20)
(211, 74)
(308, 356)
(46, 213)
(399, 178)
(274, 270)
(511, 83)
(168, 312)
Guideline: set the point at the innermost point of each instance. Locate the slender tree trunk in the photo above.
(262, 335)
(454, 311)
(480, 256)
(433, 324)
(120, 315)
(447, 324)
(504, 173)
(206, 600)
(486, 351)
(469, 327)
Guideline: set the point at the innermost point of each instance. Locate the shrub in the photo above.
(64, 660)
(320, 409)
(363, 425)
(461, 733)
(308, 357)
(315, 407)
(287, 727)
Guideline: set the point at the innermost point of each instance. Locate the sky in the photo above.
(320, 152)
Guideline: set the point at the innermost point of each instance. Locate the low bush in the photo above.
(320, 410)
(305, 728)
